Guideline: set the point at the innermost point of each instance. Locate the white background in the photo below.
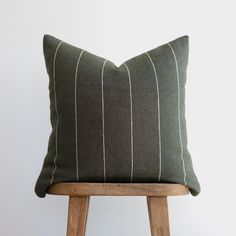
(118, 30)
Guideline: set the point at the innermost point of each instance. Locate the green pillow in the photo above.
(117, 124)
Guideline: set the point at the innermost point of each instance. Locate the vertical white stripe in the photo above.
(76, 128)
(103, 135)
(158, 111)
(180, 133)
(131, 123)
(57, 116)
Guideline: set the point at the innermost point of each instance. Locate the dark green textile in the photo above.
(117, 124)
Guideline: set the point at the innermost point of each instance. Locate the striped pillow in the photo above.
(117, 124)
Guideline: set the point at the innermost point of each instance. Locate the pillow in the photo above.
(113, 124)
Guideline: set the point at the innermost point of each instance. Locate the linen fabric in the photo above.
(115, 124)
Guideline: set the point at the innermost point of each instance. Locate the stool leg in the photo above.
(77, 215)
(158, 215)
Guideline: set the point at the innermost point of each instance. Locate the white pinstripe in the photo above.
(158, 111)
(131, 123)
(103, 135)
(57, 116)
(76, 128)
(180, 133)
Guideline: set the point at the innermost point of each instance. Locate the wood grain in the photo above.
(158, 216)
(118, 189)
(77, 216)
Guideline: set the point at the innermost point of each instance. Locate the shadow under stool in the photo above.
(79, 195)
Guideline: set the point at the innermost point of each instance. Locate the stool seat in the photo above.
(79, 195)
(118, 189)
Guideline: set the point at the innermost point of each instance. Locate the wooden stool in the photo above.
(79, 194)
